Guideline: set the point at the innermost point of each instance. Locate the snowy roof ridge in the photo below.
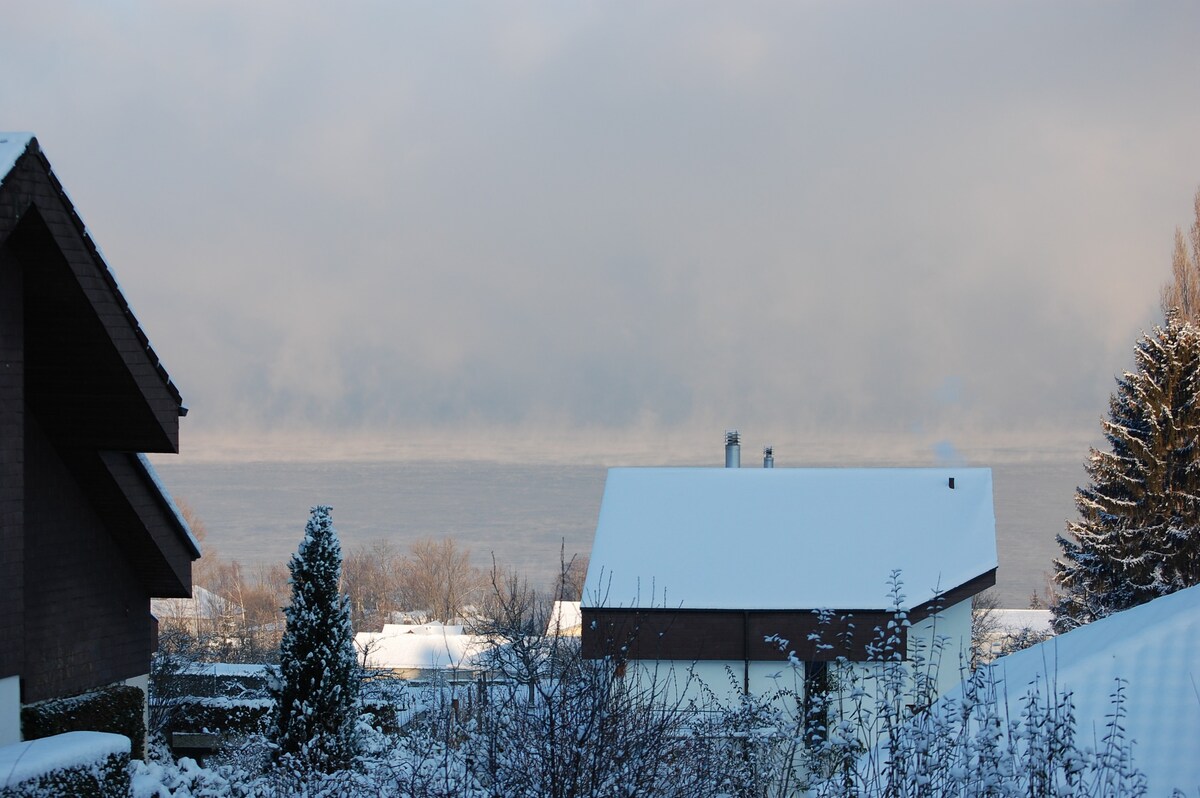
(12, 147)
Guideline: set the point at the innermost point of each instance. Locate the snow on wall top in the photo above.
(12, 145)
(788, 538)
(1156, 647)
(28, 760)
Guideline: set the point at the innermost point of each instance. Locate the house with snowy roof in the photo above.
(202, 613)
(423, 651)
(698, 567)
(87, 532)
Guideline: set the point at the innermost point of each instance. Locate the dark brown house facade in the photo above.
(87, 534)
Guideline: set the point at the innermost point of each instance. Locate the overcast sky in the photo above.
(613, 230)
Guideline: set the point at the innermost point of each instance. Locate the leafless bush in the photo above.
(437, 576)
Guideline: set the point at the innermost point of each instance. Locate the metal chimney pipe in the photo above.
(769, 457)
(733, 449)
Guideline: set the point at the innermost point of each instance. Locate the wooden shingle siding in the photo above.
(87, 615)
(700, 635)
(12, 465)
(163, 560)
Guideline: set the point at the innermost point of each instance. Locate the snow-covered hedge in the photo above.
(220, 715)
(82, 764)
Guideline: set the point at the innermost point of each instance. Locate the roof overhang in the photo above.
(140, 518)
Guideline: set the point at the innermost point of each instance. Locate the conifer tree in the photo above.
(318, 699)
(1138, 533)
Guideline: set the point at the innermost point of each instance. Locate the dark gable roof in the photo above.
(107, 389)
(92, 379)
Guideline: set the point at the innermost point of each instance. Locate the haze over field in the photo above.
(606, 232)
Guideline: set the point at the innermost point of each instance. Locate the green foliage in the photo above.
(117, 709)
(108, 778)
(226, 717)
(318, 700)
(1138, 533)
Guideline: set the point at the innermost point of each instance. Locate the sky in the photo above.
(922, 232)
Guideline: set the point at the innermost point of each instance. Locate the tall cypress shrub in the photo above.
(318, 697)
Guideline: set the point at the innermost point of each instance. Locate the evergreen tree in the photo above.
(318, 699)
(1138, 533)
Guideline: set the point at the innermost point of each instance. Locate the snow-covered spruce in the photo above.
(318, 697)
(1138, 535)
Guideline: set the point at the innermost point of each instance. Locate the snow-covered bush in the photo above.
(596, 728)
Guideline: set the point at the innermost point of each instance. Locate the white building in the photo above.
(204, 612)
(566, 620)
(422, 651)
(692, 568)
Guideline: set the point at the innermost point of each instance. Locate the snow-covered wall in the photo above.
(142, 683)
(1155, 649)
(10, 710)
(953, 626)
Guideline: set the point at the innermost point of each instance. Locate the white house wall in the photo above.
(10, 710)
(705, 683)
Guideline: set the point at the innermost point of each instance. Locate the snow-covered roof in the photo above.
(1156, 647)
(232, 669)
(203, 604)
(11, 147)
(173, 508)
(566, 618)
(1013, 621)
(788, 538)
(424, 647)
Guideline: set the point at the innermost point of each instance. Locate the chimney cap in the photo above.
(733, 449)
